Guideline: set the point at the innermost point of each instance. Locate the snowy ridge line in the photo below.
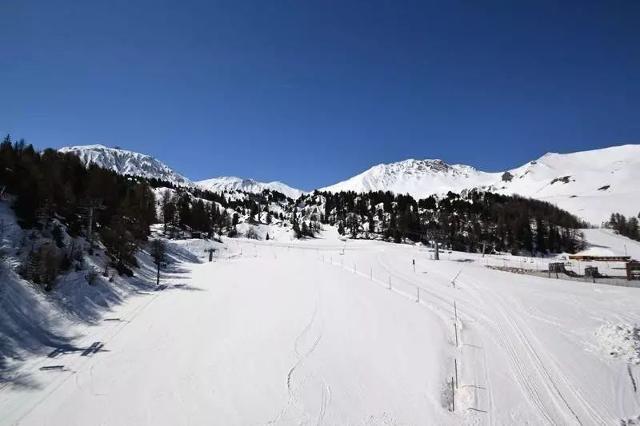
(589, 184)
(232, 183)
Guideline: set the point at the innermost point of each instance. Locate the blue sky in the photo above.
(312, 92)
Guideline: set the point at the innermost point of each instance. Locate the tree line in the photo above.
(465, 222)
(54, 191)
(625, 226)
(56, 195)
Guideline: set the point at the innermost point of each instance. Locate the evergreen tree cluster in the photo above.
(625, 226)
(49, 185)
(54, 190)
(465, 222)
(196, 211)
(304, 228)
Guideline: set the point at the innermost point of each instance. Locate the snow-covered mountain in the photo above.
(232, 183)
(419, 178)
(132, 163)
(590, 184)
(126, 162)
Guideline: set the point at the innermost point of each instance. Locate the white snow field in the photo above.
(309, 332)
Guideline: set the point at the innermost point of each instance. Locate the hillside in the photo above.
(590, 184)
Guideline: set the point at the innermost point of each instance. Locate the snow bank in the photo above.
(620, 341)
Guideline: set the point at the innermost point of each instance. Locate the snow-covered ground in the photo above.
(299, 332)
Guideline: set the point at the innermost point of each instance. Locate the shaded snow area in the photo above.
(324, 331)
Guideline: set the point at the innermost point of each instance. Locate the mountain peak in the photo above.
(234, 183)
(572, 181)
(419, 178)
(126, 162)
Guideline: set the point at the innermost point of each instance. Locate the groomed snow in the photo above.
(299, 332)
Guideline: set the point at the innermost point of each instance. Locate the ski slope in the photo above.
(332, 332)
(607, 239)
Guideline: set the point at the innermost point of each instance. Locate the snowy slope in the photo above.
(419, 178)
(591, 184)
(232, 183)
(305, 332)
(126, 162)
(607, 239)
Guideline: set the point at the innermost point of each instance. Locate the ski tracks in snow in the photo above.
(297, 380)
(546, 386)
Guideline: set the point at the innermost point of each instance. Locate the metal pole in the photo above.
(453, 396)
(455, 367)
(455, 327)
(418, 295)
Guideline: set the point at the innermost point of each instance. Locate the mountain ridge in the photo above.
(234, 183)
(127, 162)
(591, 184)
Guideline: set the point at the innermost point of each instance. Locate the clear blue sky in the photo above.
(312, 92)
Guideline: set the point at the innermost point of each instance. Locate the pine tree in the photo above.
(295, 226)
